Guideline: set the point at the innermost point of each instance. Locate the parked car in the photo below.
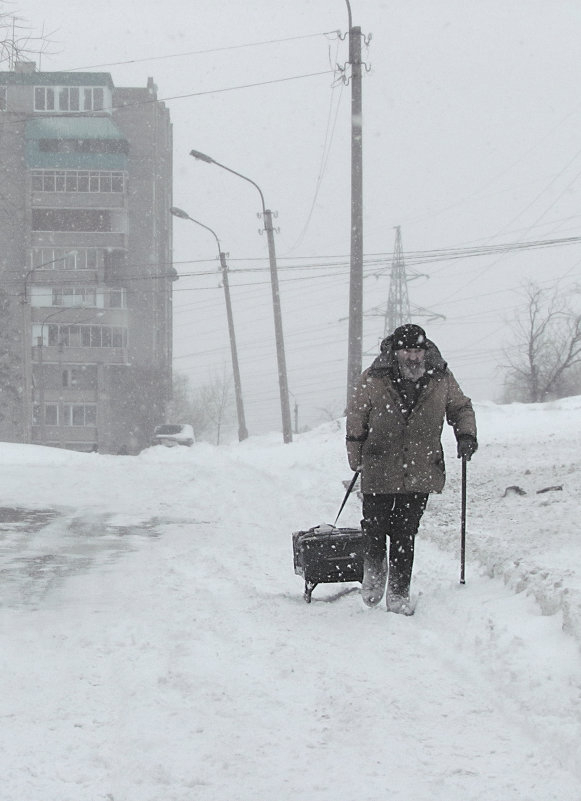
(171, 434)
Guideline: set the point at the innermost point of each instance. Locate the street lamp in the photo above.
(280, 354)
(242, 430)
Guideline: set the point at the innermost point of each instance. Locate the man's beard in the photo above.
(411, 370)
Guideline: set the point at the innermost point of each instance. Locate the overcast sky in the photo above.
(471, 139)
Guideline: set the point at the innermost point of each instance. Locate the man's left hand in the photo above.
(467, 446)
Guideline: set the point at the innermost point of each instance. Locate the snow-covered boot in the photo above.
(374, 579)
(399, 604)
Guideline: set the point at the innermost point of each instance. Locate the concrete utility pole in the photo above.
(287, 432)
(356, 274)
(242, 430)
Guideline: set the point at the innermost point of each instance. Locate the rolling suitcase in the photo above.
(326, 554)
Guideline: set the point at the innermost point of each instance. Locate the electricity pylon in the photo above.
(398, 302)
(398, 310)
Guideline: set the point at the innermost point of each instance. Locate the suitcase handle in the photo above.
(347, 494)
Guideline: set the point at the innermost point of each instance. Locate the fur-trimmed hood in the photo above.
(435, 363)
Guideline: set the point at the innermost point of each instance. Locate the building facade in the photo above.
(85, 260)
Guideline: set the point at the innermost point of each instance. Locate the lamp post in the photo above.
(242, 430)
(280, 354)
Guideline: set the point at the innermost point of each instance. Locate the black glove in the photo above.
(467, 445)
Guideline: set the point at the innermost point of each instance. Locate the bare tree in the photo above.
(332, 413)
(216, 399)
(179, 407)
(184, 407)
(208, 409)
(545, 348)
(17, 41)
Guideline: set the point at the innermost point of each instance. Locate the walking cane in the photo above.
(463, 525)
(347, 494)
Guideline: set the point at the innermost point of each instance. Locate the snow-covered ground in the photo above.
(155, 645)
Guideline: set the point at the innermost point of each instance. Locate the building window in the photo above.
(70, 378)
(83, 146)
(93, 99)
(79, 414)
(51, 414)
(44, 98)
(69, 98)
(74, 296)
(117, 298)
(61, 259)
(3, 98)
(81, 376)
(78, 181)
(80, 336)
(114, 264)
(71, 220)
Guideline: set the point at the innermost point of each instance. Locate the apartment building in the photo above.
(85, 258)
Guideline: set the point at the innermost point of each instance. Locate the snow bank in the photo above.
(156, 644)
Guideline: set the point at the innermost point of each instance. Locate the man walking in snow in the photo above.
(394, 427)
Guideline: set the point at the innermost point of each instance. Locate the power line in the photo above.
(149, 101)
(328, 141)
(203, 52)
(372, 260)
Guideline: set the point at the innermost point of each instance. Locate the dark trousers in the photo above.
(397, 517)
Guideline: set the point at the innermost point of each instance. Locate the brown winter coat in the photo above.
(399, 455)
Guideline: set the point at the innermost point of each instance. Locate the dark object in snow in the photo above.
(556, 488)
(326, 554)
(513, 490)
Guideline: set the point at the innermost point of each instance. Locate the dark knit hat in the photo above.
(408, 337)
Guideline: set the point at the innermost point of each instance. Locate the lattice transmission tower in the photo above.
(398, 302)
